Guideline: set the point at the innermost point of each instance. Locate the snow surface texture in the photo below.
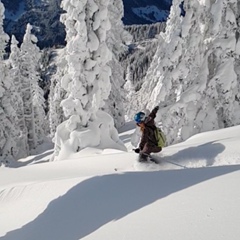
(105, 194)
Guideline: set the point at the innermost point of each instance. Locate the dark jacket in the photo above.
(148, 135)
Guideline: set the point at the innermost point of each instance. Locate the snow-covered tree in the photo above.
(17, 96)
(57, 93)
(87, 81)
(193, 76)
(3, 36)
(9, 130)
(33, 101)
(117, 40)
(143, 32)
(3, 40)
(136, 65)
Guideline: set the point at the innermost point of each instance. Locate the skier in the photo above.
(148, 143)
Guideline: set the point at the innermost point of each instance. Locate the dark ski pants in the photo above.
(150, 148)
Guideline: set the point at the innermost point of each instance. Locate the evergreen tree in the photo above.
(87, 77)
(57, 93)
(33, 101)
(17, 96)
(117, 40)
(194, 74)
(88, 80)
(9, 131)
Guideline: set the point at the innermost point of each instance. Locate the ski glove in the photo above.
(137, 150)
(157, 108)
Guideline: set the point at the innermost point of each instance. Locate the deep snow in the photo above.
(105, 194)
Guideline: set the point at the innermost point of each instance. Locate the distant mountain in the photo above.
(44, 16)
(145, 11)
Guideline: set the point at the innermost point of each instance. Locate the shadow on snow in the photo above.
(99, 200)
(205, 152)
(35, 160)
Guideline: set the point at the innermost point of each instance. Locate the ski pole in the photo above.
(179, 165)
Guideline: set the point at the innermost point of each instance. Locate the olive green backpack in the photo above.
(160, 137)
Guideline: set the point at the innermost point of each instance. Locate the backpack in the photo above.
(160, 137)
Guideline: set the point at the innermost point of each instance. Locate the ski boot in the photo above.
(143, 157)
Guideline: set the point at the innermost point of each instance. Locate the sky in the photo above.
(193, 193)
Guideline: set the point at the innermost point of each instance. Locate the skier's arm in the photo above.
(152, 115)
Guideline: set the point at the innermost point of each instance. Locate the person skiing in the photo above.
(148, 143)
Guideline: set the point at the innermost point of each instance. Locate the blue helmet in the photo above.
(139, 117)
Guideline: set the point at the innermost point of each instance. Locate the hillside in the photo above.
(192, 194)
(45, 17)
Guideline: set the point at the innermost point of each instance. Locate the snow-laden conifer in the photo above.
(3, 36)
(57, 93)
(9, 130)
(117, 40)
(17, 96)
(87, 80)
(33, 100)
(194, 76)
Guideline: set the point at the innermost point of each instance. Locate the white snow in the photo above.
(95, 188)
(105, 194)
(71, 138)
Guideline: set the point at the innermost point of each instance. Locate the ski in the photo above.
(149, 160)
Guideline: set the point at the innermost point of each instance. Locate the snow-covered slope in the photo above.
(105, 194)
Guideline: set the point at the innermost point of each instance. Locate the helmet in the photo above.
(139, 117)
